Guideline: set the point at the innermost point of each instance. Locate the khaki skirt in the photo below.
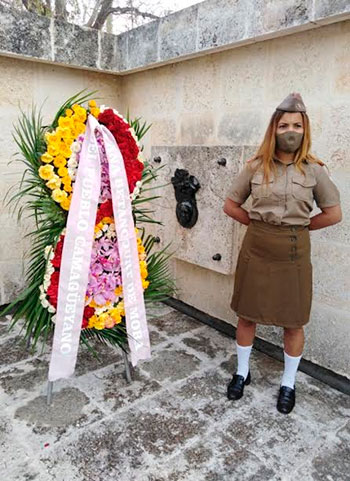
(273, 279)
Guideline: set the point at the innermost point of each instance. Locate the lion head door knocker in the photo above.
(185, 186)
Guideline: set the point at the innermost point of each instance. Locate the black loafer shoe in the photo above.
(236, 387)
(286, 400)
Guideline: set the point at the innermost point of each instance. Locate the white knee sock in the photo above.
(290, 369)
(243, 354)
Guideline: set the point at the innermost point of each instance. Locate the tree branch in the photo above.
(104, 14)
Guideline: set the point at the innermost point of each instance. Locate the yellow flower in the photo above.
(69, 112)
(59, 161)
(145, 284)
(46, 172)
(65, 122)
(52, 137)
(68, 188)
(92, 322)
(99, 324)
(68, 141)
(93, 303)
(59, 195)
(115, 313)
(66, 180)
(79, 128)
(65, 204)
(118, 291)
(65, 150)
(53, 149)
(47, 158)
(54, 183)
(140, 249)
(95, 112)
(62, 171)
(107, 220)
(92, 103)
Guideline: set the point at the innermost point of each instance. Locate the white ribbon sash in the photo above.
(76, 255)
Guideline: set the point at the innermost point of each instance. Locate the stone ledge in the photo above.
(207, 27)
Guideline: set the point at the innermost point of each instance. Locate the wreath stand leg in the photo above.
(29, 340)
(127, 367)
(49, 392)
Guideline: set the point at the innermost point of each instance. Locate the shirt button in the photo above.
(293, 238)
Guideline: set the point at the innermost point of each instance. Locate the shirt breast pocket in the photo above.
(259, 188)
(302, 187)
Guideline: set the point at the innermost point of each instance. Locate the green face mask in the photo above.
(289, 141)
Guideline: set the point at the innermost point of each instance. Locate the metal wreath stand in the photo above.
(49, 390)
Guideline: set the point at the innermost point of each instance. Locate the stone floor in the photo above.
(173, 422)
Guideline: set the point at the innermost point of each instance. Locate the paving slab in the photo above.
(173, 422)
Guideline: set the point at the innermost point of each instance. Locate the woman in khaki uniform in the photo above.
(273, 280)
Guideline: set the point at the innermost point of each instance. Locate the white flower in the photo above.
(47, 251)
(72, 163)
(45, 303)
(51, 308)
(100, 310)
(53, 318)
(102, 108)
(41, 288)
(76, 147)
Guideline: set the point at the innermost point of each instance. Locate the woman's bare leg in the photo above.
(294, 341)
(245, 332)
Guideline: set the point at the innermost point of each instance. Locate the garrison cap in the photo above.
(292, 103)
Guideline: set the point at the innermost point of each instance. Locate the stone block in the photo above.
(325, 9)
(213, 232)
(75, 45)
(197, 129)
(108, 43)
(339, 233)
(24, 33)
(121, 52)
(11, 280)
(177, 33)
(241, 128)
(275, 16)
(199, 80)
(331, 267)
(143, 45)
(220, 22)
(242, 77)
(327, 338)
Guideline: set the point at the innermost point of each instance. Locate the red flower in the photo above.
(88, 312)
(105, 210)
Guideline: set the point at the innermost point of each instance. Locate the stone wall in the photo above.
(213, 98)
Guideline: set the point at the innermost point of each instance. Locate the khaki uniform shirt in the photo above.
(288, 198)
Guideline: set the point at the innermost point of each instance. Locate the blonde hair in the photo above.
(266, 151)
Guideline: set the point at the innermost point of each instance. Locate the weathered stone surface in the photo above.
(171, 366)
(208, 26)
(25, 34)
(324, 9)
(177, 33)
(220, 23)
(331, 263)
(174, 422)
(13, 350)
(75, 45)
(143, 45)
(66, 409)
(174, 323)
